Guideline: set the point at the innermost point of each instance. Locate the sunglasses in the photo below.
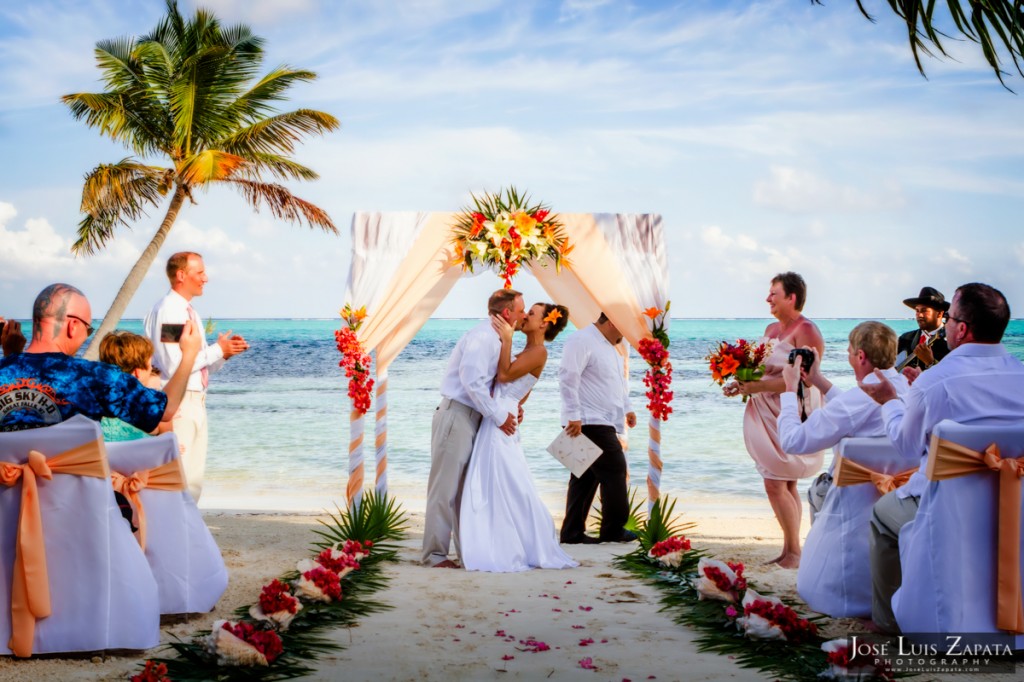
(88, 327)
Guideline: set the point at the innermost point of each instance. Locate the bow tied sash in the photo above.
(947, 459)
(848, 472)
(30, 586)
(167, 476)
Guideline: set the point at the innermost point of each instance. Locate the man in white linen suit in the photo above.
(466, 400)
(846, 414)
(979, 382)
(187, 275)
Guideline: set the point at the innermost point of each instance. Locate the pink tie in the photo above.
(204, 372)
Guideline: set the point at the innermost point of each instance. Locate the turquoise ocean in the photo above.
(279, 427)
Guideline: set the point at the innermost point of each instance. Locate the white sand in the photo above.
(445, 623)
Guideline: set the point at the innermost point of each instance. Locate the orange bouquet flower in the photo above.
(742, 361)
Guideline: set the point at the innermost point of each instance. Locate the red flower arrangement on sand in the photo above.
(719, 580)
(354, 359)
(743, 361)
(769, 618)
(243, 644)
(669, 552)
(318, 583)
(658, 377)
(153, 672)
(276, 604)
(842, 667)
(504, 232)
(358, 550)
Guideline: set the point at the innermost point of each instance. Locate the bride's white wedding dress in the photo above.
(503, 525)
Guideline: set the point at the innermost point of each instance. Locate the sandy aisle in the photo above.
(445, 623)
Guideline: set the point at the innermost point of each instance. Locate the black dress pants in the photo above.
(609, 472)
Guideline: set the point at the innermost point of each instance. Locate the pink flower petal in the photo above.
(507, 657)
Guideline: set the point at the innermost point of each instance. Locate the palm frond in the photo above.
(208, 166)
(256, 101)
(634, 519)
(283, 204)
(115, 194)
(997, 26)
(278, 134)
(377, 518)
(275, 164)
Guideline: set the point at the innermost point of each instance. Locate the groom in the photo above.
(466, 400)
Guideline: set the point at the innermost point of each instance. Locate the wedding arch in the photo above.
(405, 263)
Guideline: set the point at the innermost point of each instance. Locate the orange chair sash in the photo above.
(848, 472)
(947, 459)
(30, 587)
(167, 476)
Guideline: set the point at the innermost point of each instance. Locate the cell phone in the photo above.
(171, 333)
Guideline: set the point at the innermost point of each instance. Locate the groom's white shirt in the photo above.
(471, 370)
(592, 381)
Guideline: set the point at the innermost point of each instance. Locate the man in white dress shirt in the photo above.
(846, 414)
(187, 275)
(979, 382)
(595, 402)
(466, 400)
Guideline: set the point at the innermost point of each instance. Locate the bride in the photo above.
(503, 524)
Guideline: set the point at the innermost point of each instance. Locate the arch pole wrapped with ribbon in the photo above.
(405, 263)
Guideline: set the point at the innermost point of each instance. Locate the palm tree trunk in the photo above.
(135, 277)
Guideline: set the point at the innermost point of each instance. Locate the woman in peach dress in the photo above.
(760, 427)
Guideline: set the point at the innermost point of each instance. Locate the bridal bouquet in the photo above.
(504, 232)
(742, 360)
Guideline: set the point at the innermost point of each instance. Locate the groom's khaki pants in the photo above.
(452, 433)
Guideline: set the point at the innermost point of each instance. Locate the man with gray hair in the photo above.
(45, 384)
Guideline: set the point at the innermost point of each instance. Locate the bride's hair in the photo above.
(558, 325)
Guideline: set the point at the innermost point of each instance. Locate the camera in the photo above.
(806, 357)
(171, 333)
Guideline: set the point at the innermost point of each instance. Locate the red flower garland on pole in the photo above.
(658, 377)
(355, 361)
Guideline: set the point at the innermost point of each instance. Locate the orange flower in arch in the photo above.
(653, 312)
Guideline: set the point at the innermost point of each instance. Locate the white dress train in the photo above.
(503, 524)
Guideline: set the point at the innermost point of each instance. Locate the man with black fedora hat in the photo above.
(925, 345)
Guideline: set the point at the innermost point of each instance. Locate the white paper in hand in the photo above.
(575, 454)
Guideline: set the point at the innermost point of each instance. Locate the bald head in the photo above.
(61, 315)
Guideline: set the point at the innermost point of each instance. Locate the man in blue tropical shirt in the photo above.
(45, 384)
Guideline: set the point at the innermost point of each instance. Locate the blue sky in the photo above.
(769, 135)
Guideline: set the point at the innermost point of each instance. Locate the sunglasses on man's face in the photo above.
(88, 327)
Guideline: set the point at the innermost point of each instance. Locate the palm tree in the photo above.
(993, 24)
(187, 94)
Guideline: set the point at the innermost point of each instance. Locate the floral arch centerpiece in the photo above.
(405, 263)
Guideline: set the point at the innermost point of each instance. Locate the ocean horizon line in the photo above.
(460, 319)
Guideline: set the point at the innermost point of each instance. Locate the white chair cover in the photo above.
(948, 552)
(186, 562)
(102, 592)
(835, 573)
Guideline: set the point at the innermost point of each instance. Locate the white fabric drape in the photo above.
(402, 269)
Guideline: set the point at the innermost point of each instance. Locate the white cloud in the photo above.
(950, 257)
(798, 191)
(185, 236)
